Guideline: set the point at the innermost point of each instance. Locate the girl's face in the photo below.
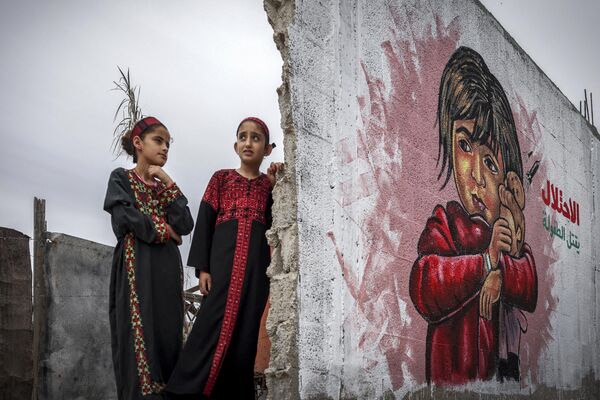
(154, 147)
(478, 172)
(251, 144)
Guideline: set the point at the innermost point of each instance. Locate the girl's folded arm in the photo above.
(442, 282)
(176, 208)
(125, 217)
(440, 286)
(519, 287)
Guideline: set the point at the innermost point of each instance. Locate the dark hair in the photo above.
(127, 142)
(468, 90)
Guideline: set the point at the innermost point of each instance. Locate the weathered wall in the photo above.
(76, 357)
(360, 95)
(16, 333)
(282, 321)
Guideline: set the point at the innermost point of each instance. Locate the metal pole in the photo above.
(585, 104)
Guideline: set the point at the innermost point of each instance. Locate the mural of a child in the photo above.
(472, 257)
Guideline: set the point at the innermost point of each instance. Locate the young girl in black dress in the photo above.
(149, 215)
(230, 253)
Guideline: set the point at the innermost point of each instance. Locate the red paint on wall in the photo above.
(399, 140)
(397, 120)
(539, 330)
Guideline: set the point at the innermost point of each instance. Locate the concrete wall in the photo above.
(16, 333)
(359, 102)
(76, 358)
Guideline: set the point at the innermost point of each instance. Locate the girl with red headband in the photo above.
(230, 253)
(149, 215)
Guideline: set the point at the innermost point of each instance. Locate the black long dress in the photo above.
(146, 284)
(229, 242)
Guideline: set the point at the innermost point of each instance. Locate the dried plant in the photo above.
(128, 108)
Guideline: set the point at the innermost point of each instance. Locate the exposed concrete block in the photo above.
(282, 322)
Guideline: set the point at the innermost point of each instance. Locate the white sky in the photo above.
(202, 66)
(562, 37)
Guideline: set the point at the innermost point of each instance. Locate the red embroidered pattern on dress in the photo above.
(169, 194)
(244, 200)
(160, 226)
(211, 195)
(147, 386)
(147, 202)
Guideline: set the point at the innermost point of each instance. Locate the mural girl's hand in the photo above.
(501, 241)
(490, 293)
(512, 210)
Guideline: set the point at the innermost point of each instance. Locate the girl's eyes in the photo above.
(255, 138)
(464, 145)
(160, 141)
(490, 164)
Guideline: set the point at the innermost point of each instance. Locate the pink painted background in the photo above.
(401, 119)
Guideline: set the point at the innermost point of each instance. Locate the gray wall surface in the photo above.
(359, 104)
(76, 361)
(16, 335)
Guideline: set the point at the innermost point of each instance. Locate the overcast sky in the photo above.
(202, 66)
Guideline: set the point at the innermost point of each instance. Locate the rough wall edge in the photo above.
(282, 322)
(70, 240)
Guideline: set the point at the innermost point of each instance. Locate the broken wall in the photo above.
(16, 334)
(354, 302)
(75, 361)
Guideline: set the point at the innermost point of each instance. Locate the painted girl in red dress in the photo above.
(473, 264)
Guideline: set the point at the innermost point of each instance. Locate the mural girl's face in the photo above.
(477, 172)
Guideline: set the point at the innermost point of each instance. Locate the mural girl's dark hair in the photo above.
(468, 90)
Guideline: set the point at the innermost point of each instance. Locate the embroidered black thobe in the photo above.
(146, 297)
(229, 243)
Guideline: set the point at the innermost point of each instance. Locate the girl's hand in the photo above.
(158, 173)
(490, 293)
(272, 171)
(205, 283)
(501, 241)
(174, 235)
(516, 219)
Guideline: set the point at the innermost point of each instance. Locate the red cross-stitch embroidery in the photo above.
(235, 197)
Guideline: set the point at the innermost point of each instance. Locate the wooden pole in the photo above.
(592, 107)
(39, 288)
